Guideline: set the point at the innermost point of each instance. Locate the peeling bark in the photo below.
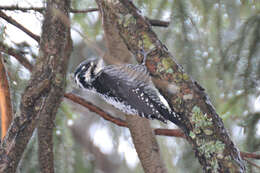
(45, 90)
(203, 128)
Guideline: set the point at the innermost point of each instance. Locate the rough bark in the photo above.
(203, 128)
(57, 36)
(5, 101)
(140, 129)
(46, 87)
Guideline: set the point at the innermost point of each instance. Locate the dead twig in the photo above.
(18, 25)
(17, 54)
(41, 9)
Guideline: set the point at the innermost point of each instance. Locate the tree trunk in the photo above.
(45, 90)
(57, 23)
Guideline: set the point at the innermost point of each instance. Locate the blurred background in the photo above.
(217, 43)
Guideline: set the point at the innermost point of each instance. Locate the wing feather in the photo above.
(137, 76)
(132, 74)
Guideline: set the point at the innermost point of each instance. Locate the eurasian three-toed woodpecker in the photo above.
(127, 87)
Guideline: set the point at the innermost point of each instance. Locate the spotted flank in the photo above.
(124, 107)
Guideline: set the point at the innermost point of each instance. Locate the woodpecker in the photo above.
(127, 87)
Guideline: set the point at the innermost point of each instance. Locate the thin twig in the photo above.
(250, 155)
(252, 163)
(160, 23)
(41, 9)
(23, 9)
(83, 11)
(95, 109)
(18, 25)
(17, 54)
(169, 132)
(153, 22)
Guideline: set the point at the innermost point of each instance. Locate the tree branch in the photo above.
(23, 9)
(153, 22)
(5, 100)
(18, 25)
(250, 155)
(41, 9)
(252, 163)
(17, 54)
(95, 109)
(83, 11)
(160, 23)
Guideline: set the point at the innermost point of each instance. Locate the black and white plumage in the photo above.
(127, 87)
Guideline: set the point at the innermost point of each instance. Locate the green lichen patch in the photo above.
(185, 76)
(208, 132)
(177, 77)
(197, 131)
(177, 101)
(146, 41)
(160, 68)
(169, 70)
(128, 20)
(199, 119)
(211, 150)
(167, 63)
(192, 135)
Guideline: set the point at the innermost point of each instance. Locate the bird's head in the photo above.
(87, 71)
